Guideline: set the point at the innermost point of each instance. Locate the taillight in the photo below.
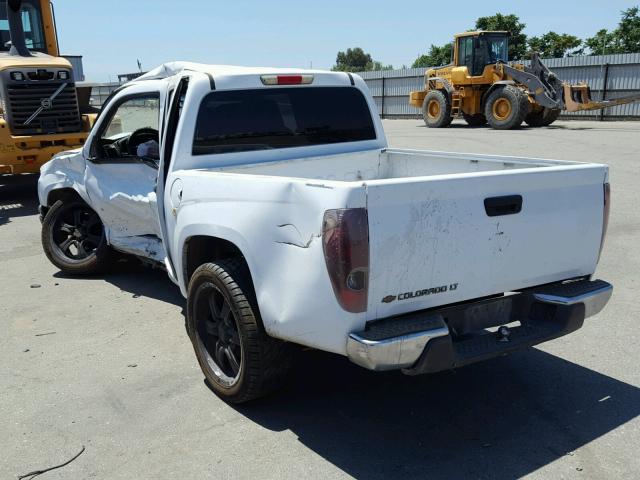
(286, 79)
(345, 241)
(605, 215)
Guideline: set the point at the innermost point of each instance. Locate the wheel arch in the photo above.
(493, 88)
(202, 248)
(63, 193)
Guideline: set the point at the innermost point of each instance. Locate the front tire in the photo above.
(436, 110)
(239, 360)
(73, 238)
(506, 107)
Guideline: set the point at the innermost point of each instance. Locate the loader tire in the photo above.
(73, 238)
(543, 118)
(506, 108)
(436, 110)
(239, 360)
(476, 120)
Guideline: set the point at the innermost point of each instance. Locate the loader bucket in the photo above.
(578, 97)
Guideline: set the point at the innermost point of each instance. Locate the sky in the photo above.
(112, 35)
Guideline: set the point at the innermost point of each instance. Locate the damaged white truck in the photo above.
(271, 199)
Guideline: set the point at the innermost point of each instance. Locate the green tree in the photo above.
(624, 39)
(603, 42)
(357, 60)
(510, 23)
(436, 57)
(554, 44)
(629, 30)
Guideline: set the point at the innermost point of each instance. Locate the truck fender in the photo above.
(214, 235)
(447, 88)
(65, 171)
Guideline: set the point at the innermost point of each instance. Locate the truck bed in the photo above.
(449, 227)
(390, 164)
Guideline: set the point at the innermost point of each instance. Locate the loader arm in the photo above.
(545, 87)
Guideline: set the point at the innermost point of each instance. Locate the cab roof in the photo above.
(170, 69)
(480, 32)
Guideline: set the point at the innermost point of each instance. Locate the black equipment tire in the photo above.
(477, 120)
(543, 118)
(506, 107)
(436, 110)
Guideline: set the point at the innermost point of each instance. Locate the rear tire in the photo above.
(543, 118)
(239, 360)
(436, 110)
(506, 108)
(476, 120)
(73, 238)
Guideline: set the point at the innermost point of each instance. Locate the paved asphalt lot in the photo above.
(106, 363)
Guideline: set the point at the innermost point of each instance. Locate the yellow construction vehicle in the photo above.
(481, 86)
(39, 110)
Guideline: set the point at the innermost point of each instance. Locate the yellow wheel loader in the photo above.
(39, 110)
(481, 86)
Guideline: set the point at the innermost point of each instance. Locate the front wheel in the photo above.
(506, 107)
(73, 238)
(239, 360)
(436, 110)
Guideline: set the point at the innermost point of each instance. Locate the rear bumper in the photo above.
(451, 337)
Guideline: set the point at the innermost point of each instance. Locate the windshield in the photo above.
(265, 118)
(496, 48)
(31, 22)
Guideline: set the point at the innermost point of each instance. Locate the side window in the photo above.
(131, 130)
(465, 53)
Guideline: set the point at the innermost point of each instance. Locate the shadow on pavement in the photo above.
(18, 196)
(504, 418)
(131, 276)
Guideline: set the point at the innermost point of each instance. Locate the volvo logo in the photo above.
(45, 104)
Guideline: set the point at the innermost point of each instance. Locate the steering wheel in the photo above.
(140, 136)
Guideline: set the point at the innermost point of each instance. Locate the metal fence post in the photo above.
(383, 92)
(604, 88)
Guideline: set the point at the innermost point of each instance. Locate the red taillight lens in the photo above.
(345, 240)
(289, 79)
(286, 79)
(605, 215)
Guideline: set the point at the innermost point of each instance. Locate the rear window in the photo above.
(266, 118)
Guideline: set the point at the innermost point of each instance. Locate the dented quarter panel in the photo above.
(276, 223)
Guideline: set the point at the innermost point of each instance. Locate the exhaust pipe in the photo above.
(16, 30)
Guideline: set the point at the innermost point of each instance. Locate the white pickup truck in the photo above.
(271, 199)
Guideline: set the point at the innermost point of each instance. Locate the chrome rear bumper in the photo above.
(422, 342)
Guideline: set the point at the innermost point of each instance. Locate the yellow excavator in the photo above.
(481, 86)
(39, 110)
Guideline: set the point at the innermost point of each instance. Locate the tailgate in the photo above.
(432, 241)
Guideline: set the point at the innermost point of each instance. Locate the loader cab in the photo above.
(38, 26)
(476, 50)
